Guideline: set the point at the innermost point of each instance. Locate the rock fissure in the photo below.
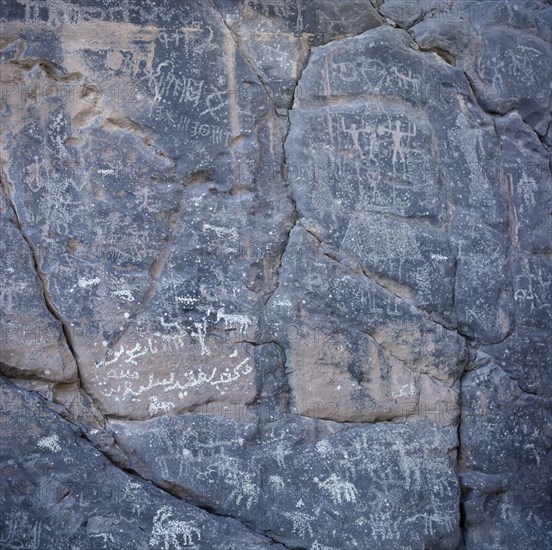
(352, 266)
(43, 281)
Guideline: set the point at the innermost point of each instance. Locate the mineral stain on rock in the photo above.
(276, 273)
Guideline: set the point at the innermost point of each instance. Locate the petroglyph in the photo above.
(169, 533)
(338, 489)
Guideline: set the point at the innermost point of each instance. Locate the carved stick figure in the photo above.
(355, 132)
(397, 135)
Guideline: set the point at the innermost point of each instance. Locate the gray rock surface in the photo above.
(300, 484)
(276, 273)
(60, 492)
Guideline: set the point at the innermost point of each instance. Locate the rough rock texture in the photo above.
(276, 273)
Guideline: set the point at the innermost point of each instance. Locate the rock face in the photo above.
(276, 273)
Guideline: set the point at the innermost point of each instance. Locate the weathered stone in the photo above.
(502, 427)
(391, 182)
(59, 492)
(355, 351)
(527, 173)
(276, 36)
(32, 342)
(494, 43)
(184, 181)
(288, 260)
(301, 485)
